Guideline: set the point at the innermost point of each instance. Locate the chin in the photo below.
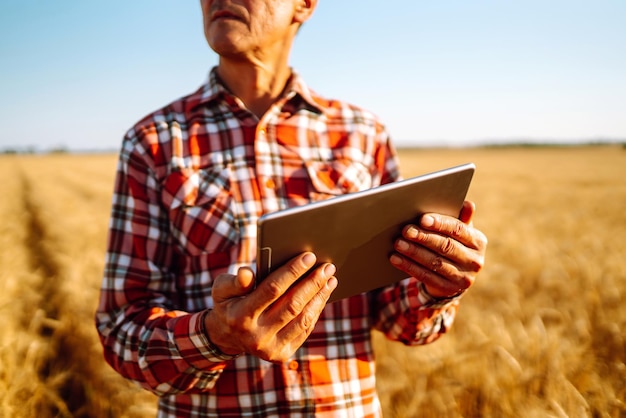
(226, 44)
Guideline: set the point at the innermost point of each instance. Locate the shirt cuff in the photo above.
(213, 353)
(194, 346)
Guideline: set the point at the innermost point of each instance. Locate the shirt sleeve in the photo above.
(407, 313)
(144, 337)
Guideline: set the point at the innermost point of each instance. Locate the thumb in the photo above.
(245, 280)
(467, 212)
(228, 286)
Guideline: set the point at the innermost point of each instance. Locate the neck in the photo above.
(258, 83)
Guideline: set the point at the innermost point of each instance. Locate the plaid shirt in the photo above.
(193, 179)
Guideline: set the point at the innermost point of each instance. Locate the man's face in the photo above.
(234, 28)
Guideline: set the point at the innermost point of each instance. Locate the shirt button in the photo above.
(269, 183)
(293, 365)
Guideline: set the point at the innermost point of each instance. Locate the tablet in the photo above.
(356, 231)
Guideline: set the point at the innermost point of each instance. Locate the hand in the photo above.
(274, 319)
(443, 252)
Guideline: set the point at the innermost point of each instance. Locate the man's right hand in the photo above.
(274, 319)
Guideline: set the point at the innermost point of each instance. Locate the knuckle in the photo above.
(294, 307)
(273, 289)
(318, 280)
(306, 321)
(318, 302)
(448, 246)
(423, 239)
(220, 285)
(457, 229)
(294, 269)
(256, 345)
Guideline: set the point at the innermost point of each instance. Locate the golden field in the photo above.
(541, 334)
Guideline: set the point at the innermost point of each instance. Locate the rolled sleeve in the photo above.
(407, 313)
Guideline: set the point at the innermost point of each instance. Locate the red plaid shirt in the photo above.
(192, 181)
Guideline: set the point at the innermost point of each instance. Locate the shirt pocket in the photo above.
(337, 177)
(201, 210)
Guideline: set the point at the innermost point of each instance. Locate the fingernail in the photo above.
(332, 283)
(412, 232)
(395, 260)
(428, 220)
(329, 270)
(402, 245)
(308, 259)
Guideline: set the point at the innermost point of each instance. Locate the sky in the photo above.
(76, 74)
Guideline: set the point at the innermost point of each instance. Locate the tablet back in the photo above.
(356, 231)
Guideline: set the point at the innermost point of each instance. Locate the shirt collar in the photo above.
(214, 90)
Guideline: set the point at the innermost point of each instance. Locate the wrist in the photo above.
(215, 351)
(435, 299)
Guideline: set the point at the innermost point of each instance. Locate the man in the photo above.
(180, 312)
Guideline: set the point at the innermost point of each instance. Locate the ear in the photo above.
(304, 10)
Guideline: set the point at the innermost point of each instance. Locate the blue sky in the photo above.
(79, 73)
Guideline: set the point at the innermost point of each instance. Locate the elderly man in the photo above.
(180, 312)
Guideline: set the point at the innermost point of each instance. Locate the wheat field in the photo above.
(541, 334)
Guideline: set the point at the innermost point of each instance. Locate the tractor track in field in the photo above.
(59, 365)
(40, 259)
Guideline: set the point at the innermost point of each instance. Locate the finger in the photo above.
(227, 286)
(414, 238)
(449, 260)
(443, 226)
(301, 328)
(318, 290)
(279, 281)
(435, 251)
(442, 278)
(467, 212)
(416, 254)
(296, 300)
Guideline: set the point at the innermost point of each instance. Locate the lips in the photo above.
(223, 15)
(226, 14)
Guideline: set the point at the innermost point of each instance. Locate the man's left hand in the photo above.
(442, 252)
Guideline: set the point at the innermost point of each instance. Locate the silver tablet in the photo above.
(356, 231)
